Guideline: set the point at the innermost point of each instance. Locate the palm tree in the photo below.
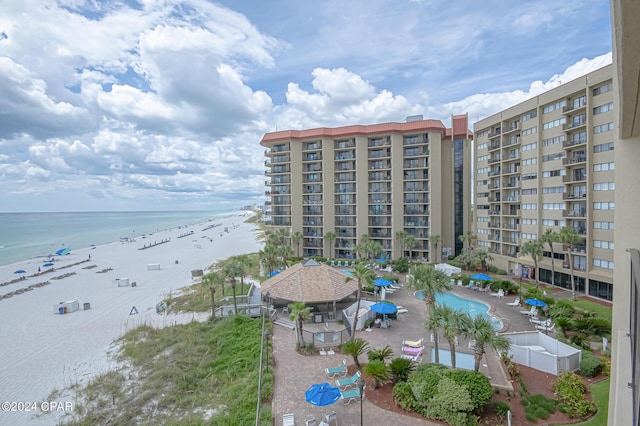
(299, 312)
(410, 242)
(483, 256)
(468, 238)
(454, 322)
(435, 240)
(268, 258)
(533, 248)
(434, 324)
(570, 238)
(364, 276)
(330, 237)
(296, 238)
(479, 328)
(549, 237)
(243, 263)
(210, 280)
(468, 258)
(355, 347)
(232, 270)
(401, 236)
(429, 281)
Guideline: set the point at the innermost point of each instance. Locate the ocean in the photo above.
(29, 235)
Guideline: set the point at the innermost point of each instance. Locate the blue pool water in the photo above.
(463, 360)
(458, 303)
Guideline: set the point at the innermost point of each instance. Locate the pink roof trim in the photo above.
(336, 132)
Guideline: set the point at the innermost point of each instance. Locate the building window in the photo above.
(604, 206)
(603, 108)
(553, 107)
(603, 147)
(605, 264)
(607, 127)
(604, 186)
(603, 244)
(554, 123)
(600, 289)
(603, 225)
(530, 131)
(603, 89)
(554, 140)
(604, 167)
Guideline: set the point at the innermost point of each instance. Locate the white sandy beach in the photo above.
(42, 351)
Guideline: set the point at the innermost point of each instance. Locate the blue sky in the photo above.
(161, 104)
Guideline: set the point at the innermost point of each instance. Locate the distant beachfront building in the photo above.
(373, 180)
(548, 163)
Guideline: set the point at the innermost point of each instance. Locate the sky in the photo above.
(161, 104)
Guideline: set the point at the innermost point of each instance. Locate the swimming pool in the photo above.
(472, 307)
(463, 360)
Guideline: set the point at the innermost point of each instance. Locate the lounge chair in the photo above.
(401, 310)
(287, 420)
(534, 321)
(409, 350)
(499, 294)
(413, 358)
(514, 303)
(341, 370)
(349, 381)
(533, 312)
(459, 283)
(548, 329)
(486, 288)
(330, 418)
(413, 343)
(352, 395)
(471, 284)
(310, 421)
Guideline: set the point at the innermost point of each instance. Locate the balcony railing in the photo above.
(575, 213)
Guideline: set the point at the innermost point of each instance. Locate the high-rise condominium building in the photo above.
(374, 180)
(548, 163)
(624, 396)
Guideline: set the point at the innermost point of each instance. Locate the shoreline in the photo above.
(46, 351)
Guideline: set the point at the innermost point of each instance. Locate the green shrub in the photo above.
(401, 368)
(452, 403)
(538, 407)
(501, 408)
(493, 268)
(401, 265)
(378, 371)
(403, 396)
(424, 382)
(477, 384)
(590, 365)
(571, 392)
(606, 366)
(502, 272)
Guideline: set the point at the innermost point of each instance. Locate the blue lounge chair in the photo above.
(352, 395)
(337, 371)
(349, 381)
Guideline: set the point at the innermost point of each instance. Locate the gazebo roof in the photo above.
(310, 282)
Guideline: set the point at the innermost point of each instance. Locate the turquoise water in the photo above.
(469, 306)
(463, 360)
(29, 235)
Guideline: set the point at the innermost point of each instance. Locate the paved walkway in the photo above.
(295, 373)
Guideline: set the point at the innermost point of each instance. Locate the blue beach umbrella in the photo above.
(321, 394)
(481, 277)
(20, 271)
(384, 308)
(535, 302)
(48, 264)
(382, 282)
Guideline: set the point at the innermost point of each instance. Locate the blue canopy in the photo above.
(48, 264)
(20, 271)
(382, 282)
(535, 302)
(322, 394)
(381, 260)
(481, 277)
(63, 251)
(384, 308)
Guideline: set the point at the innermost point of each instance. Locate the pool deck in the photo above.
(295, 373)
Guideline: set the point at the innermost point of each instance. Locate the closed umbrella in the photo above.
(535, 302)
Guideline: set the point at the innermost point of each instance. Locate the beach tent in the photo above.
(448, 269)
(66, 307)
(63, 252)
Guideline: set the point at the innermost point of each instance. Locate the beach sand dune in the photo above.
(42, 351)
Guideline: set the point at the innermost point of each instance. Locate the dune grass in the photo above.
(198, 373)
(600, 394)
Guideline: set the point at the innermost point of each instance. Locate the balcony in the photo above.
(512, 184)
(496, 132)
(574, 142)
(493, 146)
(493, 199)
(574, 177)
(574, 159)
(512, 226)
(345, 144)
(494, 237)
(276, 149)
(575, 213)
(347, 155)
(494, 224)
(574, 108)
(495, 159)
(312, 222)
(574, 125)
(513, 141)
(574, 197)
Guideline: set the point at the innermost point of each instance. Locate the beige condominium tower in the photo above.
(548, 163)
(624, 397)
(374, 180)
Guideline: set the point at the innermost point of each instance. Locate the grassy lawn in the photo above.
(599, 310)
(600, 393)
(198, 373)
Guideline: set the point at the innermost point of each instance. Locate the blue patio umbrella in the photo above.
(20, 271)
(481, 277)
(48, 264)
(382, 282)
(381, 260)
(384, 308)
(273, 274)
(321, 394)
(535, 302)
